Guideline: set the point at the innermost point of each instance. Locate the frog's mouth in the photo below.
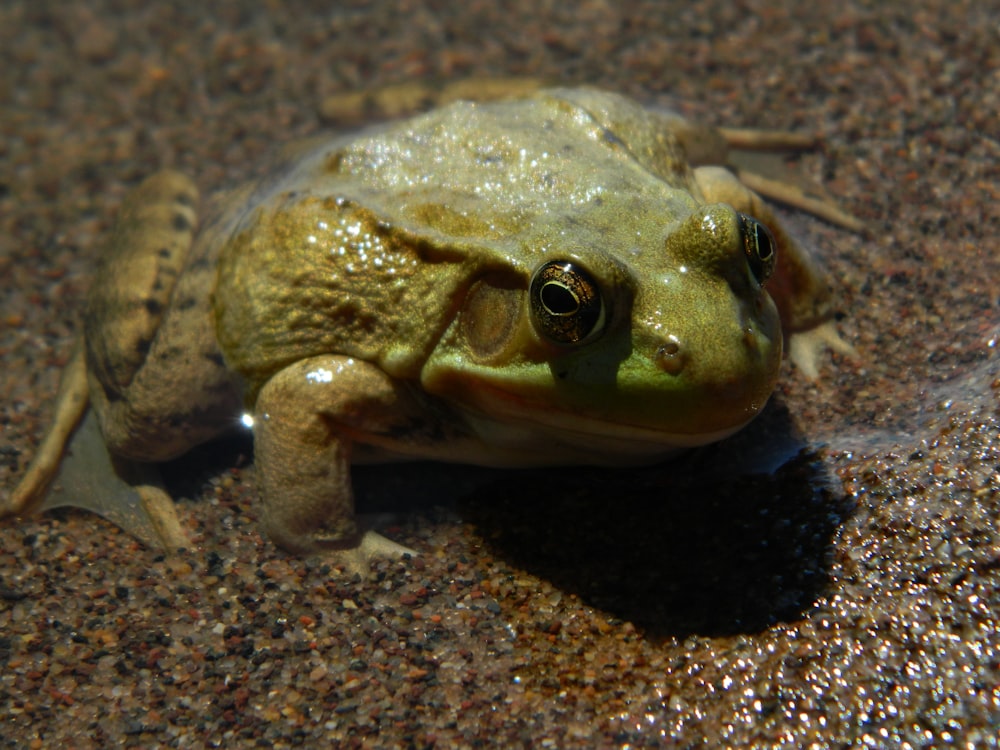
(509, 421)
(594, 441)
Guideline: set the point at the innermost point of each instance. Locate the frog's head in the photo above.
(627, 346)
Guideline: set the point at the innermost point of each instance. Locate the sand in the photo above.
(827, 578)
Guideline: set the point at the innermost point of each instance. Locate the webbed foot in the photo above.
(372, 546)
(127, 494)
(806, 347)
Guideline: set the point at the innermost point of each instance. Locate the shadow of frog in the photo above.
(717, 541)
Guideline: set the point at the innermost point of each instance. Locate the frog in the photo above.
(563, 277)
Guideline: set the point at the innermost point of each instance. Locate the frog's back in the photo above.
(366, 246)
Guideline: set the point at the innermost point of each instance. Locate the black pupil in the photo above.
(559, 300)
(764, 248)
(566, 304)
(758, 243)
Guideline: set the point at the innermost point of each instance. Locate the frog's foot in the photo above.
(806, 347)
(749, 139)
(125, 493)
(754, 155)
(371, 547)
(796, 197)
(73, 468)
(161, 516)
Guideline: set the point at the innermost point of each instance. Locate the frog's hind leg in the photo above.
(71, 405)
(352, 108)
(159, 383)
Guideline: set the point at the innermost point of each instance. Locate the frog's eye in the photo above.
(566, 305)
(759, 245)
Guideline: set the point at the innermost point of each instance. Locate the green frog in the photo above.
(565, 277)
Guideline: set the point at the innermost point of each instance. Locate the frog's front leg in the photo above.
(306, 420)
(798, 286)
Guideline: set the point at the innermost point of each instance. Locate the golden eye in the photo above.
(566, 305)
(759, 246)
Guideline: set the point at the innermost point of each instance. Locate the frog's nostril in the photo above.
(670, 356)
(750, 338)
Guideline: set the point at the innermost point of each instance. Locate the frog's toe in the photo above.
(372, 546)
(161, 514)
(28, 494)
(71, 407)
(805, 347)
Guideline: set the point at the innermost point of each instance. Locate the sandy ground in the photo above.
(827, 578)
